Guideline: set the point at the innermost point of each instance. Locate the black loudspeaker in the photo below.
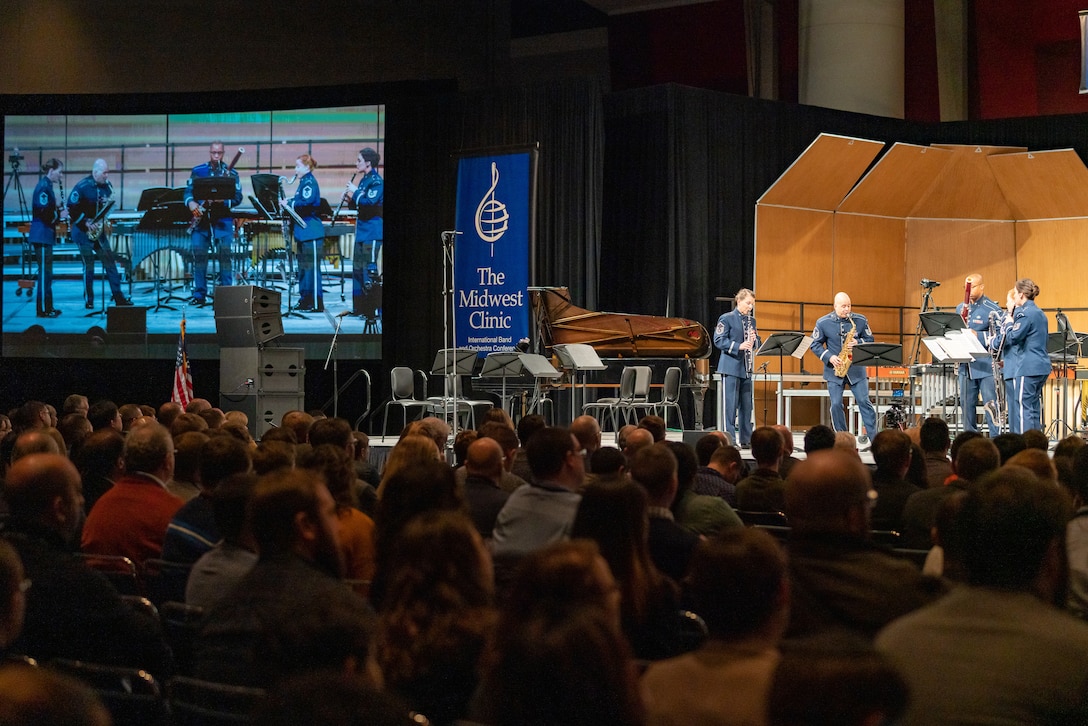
(271, 370)
(691, 437)
(247, 316)
(126, 320)
(265, 411)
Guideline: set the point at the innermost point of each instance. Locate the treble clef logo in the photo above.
(491, 216)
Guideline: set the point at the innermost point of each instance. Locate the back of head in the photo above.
(229, 502)
(34, 441)
(933, 435)
(168, 412)
(102, 414)
(147, 448)
(335, 431)
(654, 467)
(1008, 445)
(529, 425)
(1009, 520)
(506, 436)
(213, 417)
(975, 458)
(129, 413)
(706, 446)
(35, 481)
(484, 458)
(277, 498)
(1036, 439)
(822, 490)
(587, 431)
(74, 427)
(411, 449)
(766, 446)
(547, 451)
(187, 422)
(655, 425)
(607, 461)
(638, 438)
(337, 468)
(891, 450)
(461, 442)
(736, 581)
(299, 422)
(272, 455)
(818, 438)
(961, 438)
(220, 457)
(41, 697)
(1036, 461)
(98, 454)
(687, 466)
(417, 487)
(612, 513)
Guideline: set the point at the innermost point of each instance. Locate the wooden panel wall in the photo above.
(793, 253)
(949, 250)
(1053, 254)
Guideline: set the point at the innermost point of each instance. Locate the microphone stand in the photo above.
(763, 369)
(335, 366)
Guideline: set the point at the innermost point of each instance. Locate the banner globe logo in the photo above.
(492, 219)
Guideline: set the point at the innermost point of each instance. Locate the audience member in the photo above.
(219, 569)
(42, 697)
(299, 422)
(168, 412)
(655, 425)
(1077, 537)
(542, 511)
(614, 515)
(411, 449)
(622, 434)
(214, 417)
(973, 459)
(699, 513)
(638, 438)
(892, 454)
(293, 519)
(129, 412)
(845, 441)
(934, 440)
(788, 459)
(192, 530)
(483, 472)
(331, 698)
(13, 587)
(1036, 439)
(34, 441)
(337, 432)
(527, 426)
(76, 403)
(608, 462)
(818, 438)
(840, 582)
(1009, 445)
(588, 432)
(916, 472)
(508, 440)
(185, 484)
(74, 427)
(71, 611)
(998, 649)
(720, 476)
(104, 414)
(763, 490)
(130, 519)
(461, 443)
(185, 422)
(1037, 461)
(196, 405)
(655, 469)
(437, 615)
(100, 463)
(738, 585)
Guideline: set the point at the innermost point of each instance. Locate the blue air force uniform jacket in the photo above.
(728, 335)
(827, 338)
(44, 214)
(306, 201)
(978, 319)
(368, 205)
(219, 211)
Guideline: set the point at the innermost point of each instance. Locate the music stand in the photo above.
(454, 362)
(502, 365)
(578, 358)
(782, 344)
(165, 215)
(937, 323)
(877, 355)
(1062, 349)
(158, 196)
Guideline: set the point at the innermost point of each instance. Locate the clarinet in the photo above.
(749, 336)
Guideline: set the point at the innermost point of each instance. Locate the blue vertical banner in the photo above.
(493, 251)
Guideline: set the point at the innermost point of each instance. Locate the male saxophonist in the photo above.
(89, 198)
(978, 375)
(735, 336)
(214, 222)
(834, 332)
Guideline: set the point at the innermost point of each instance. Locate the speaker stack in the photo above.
(264, 383)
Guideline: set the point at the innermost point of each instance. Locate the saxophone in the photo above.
(846, 356)
(998, 406)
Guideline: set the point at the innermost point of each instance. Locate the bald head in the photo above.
(45, 488)
(638, 439)
(828, 492)
(842, 304)
(588, 432)
(484, 458)
(34, 441)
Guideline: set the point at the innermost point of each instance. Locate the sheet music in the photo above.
(806, 343)
(967, 342)
(944, 350)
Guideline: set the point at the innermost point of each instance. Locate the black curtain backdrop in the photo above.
(646, 204)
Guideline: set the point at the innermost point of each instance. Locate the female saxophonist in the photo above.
(1024, 333)
(43, 233)
(310, 238)
(735, 336)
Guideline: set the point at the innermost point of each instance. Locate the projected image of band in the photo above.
(118, 226)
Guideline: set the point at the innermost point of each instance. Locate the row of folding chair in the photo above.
(634, 396)
(402, 382)
(158, 580)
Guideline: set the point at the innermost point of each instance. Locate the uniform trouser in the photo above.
(738, 399)
(1030, 402)
(201, 241)
(309, 272)
(1012, 405)
(364, 270)
(969, 392)
(835, 388)
(44, 255)
(88, 250)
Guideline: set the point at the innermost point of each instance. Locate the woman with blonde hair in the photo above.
(309, 238)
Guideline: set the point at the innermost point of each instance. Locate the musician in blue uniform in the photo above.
(1007, 363)
(214, 222)
(1025, 334)
(978, 375)
(45, 214)
(367, 196)
(827, 343)
(89, 198)
(735, 336)
(310, 238)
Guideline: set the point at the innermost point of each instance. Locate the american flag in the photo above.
(183, 380)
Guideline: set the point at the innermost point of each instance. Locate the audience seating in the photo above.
(610, 404)
(670, 397)
(693, 631)
(403, 386)
(202, 703)
(141, 604)
(121, 571)
(132, 696)
(887, 537)
(180, 624)
(776, 519)
(164, 580)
